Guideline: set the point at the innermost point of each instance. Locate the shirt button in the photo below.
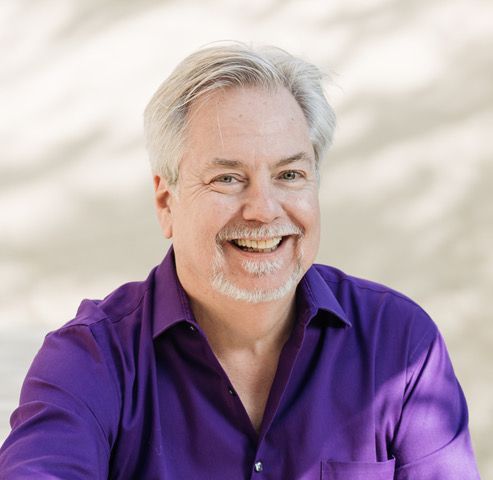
(259, 466)
(231, 391)
(192, 328)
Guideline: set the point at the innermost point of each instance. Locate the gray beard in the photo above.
(259, 269)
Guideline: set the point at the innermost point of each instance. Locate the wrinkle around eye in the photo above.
(226, 183)
(221, 179)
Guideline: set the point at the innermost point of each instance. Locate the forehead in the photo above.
(249, 122)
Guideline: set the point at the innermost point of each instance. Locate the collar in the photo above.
(315, 297)
(171, 303)
(172, 306)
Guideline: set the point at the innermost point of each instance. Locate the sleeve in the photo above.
(66, 421)
(432, 441)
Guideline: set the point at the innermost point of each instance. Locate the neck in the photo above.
(233, 326)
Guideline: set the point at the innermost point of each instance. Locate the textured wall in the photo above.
(406, 193)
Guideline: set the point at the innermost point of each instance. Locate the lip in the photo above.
(286, 240)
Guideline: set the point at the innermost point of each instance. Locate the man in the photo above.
(237, 357)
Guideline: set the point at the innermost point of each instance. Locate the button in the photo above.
(259, 466)
(192, 328)
(231, 391)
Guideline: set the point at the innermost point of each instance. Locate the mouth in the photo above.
(266, 245)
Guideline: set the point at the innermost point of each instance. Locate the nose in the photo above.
(262, 202)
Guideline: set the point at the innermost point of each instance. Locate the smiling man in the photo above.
(239, 357)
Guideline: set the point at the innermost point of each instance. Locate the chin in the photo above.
(256, 295)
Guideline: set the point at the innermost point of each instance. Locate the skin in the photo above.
(248, 161)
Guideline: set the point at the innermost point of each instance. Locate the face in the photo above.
(245, 218)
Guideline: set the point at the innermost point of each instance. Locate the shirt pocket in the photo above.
(332, 470)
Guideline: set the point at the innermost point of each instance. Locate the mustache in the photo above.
(257, 232)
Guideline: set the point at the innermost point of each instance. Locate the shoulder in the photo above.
(101, 333)
(96, 344)
(340, 282)
(118, 305)
(378, 309)
(109, 321)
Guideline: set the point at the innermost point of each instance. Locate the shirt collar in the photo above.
(172, 306)
(316, 297)
(171, 303)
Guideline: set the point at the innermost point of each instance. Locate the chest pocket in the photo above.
(358, 470)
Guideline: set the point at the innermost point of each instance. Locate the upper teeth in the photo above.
(258, 244)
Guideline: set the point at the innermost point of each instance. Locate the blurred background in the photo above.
(406, 194)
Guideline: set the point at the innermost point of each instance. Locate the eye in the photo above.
(227, 183)
(290, 175)
(225, 179)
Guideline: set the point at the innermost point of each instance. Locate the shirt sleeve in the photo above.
(64, 425)
(432, 441)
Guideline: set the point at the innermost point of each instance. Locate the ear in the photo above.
(163, 199)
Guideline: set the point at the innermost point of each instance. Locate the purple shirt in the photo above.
(130, 389)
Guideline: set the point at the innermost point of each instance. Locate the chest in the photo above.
(251, 380)
(191, 416)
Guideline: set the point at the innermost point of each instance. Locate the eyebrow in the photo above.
(225, 162)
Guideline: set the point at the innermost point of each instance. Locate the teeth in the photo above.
(267, 244)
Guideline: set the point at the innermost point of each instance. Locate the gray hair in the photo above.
(231, 65)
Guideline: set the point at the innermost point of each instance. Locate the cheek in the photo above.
(307, 211)
(308, 217)
(219, 212)
(203, 220)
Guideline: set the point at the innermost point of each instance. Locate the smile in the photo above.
(259, 246)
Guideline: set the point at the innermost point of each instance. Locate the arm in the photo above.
(64, 425)
(432, 441)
